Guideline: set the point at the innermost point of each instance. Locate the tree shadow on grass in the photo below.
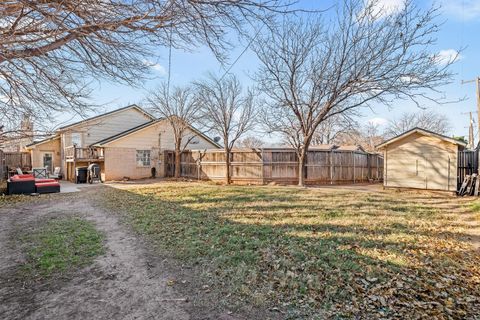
(326, 263)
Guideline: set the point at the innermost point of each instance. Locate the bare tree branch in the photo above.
(180, 110)
(313, 70)
(428, 120)
(251, 142)
(226, 111)
(51, 50)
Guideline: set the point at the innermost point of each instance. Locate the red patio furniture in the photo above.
(27, 184)
(21, 184)
(47, 185)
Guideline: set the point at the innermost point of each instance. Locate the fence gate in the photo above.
(467, 164)
(169, 163)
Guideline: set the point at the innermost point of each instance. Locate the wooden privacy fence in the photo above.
(12, 160)
(467, 164)
(3, 173)
(260, 166)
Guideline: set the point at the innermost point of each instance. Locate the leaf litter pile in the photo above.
(311, 253)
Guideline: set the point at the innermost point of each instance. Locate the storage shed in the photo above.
(421, 159)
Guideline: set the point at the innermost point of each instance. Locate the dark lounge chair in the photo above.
(21, 184)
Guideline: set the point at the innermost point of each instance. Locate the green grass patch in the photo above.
(61, 245)
(307, 249)
(475, 206)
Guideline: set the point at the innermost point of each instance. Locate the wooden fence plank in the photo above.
(260, 166)
(3, 173)
(12, 160)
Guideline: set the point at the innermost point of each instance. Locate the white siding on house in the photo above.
(159, 135)
(120, 155)
(104, 127)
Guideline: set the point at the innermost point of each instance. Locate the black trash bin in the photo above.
(81, 175)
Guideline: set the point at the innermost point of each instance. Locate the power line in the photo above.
(242, 53)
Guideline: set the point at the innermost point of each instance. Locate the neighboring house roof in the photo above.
(145, 126)
(423, 132)
(43, 141)
(351, 148)
(323, 147)
(328, 147)
(132, 106)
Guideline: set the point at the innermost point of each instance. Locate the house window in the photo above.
(143, 158)
(48, 161)
(77, 139)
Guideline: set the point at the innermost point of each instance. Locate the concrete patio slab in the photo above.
(69, 187)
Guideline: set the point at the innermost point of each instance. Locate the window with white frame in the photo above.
(143, 158)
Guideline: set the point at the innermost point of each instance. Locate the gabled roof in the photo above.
(43, 141)
(125, 133)
(204, 136)
(145, 126)
(132, 106)
(423, 132)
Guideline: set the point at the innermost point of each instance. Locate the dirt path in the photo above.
(125, 283)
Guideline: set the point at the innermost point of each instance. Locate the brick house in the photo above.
(127, 142)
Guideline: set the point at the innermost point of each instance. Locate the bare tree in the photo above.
(371, 137)
(226, 111)
(51, 51)
(332, 128)
(178, 107)
(251, 142)
(428, 120)
(313, 70)
(367, 136)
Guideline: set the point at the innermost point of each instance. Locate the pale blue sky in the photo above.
(461, 29)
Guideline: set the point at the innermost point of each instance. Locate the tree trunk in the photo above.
(227, 166)
(178, 156)
(302, 157)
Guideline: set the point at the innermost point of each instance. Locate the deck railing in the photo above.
(74, 153)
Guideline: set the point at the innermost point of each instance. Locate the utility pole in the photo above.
(471, 132)
(477, 82)
(471, 139)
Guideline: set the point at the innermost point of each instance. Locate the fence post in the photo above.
(263, 167)
(331, 166)
(353, 155)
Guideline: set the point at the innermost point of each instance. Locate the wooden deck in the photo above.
(81, 157)
(88, 154)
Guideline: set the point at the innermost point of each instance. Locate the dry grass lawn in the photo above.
(316, 253)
